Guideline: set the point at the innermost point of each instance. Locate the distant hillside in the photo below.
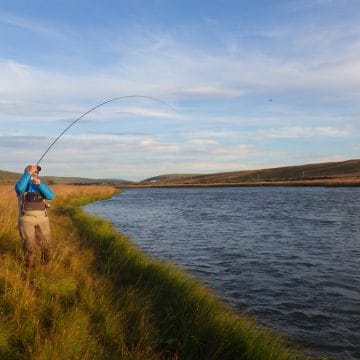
(7, 176)
(11, 177)
(344, 169)
(169, 177)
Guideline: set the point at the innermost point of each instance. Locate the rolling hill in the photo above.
(12, 177)
(344, 170)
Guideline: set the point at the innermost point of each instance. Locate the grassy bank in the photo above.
(102, 298)
(334, 182)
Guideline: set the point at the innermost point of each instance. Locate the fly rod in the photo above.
(94, 108)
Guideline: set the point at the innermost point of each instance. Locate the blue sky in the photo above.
(217, 62)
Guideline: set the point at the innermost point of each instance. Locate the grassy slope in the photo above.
(8, 176)
(169, 177)
(102, 298)
(11, 177)
(346, 169)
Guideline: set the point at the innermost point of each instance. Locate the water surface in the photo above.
(289, 256)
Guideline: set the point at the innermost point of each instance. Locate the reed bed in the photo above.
(100, 297)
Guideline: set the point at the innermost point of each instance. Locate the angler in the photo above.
(33, 223)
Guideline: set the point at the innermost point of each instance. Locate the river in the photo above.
(288, 255)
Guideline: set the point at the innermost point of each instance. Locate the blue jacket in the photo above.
(25, 184)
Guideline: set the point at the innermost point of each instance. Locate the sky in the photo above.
(250, 84)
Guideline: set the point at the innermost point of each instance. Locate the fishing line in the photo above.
(94, 108)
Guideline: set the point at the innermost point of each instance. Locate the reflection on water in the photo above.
(290, 256)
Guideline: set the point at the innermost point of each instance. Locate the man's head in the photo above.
(33, 169)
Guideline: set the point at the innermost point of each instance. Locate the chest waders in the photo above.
(33, 201)
(34, 227)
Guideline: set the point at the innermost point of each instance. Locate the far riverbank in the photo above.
(318, 182)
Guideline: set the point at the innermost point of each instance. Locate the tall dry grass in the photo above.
(8, 208)
(64, 310)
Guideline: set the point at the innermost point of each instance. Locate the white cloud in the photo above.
(209, 91)
(259, 134)
(151, 145)
(157, 62)
(84, 150)
(169, 69)
(204, 142)
(306, 132)
(233, 151)
(139, 156)
(211, 75)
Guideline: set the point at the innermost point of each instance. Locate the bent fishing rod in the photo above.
(94, 108)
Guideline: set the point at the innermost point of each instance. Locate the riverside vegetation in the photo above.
(100, 297)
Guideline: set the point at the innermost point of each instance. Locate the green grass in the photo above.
(100, 297)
